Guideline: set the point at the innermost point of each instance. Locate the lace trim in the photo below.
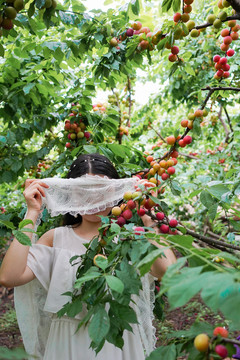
(88, 194)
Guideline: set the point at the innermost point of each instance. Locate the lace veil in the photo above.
(87, 194)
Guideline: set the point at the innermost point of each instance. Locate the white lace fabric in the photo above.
(87, 194)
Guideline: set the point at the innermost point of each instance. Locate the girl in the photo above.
(42, 272)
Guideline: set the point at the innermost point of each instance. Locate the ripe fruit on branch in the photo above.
(201, 342)
(187, 139)
(165, 176)
(121, 221)
(198, 113)
(127, 214)
(136, 25)
(181, 143)
(171, 140)
(160, 216)
(173, 223)
(171, 170)
(138, 230)
(230, 52)
(175, 50)
(220, 331)
(164, 228)
(116, 211)
(129, 32)
(176, 17)
(221, 350)
(172, 57)
(131, 204)
(113, 42)
(141, 212)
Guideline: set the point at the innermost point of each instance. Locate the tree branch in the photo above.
(130, 100)
(229, 123)
(158, 134)
(221, 88)
(211, 241)
(223, 124)
(189, 156)
(203, 26)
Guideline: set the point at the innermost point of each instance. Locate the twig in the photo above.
(158, 134)
(118, 137)
(223, 124)
(215, 235)
(189, 156)
(229, 123)
(130, 100)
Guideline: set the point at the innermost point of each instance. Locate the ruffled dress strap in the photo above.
(29, 299)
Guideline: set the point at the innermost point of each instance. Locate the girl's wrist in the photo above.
(32, 214)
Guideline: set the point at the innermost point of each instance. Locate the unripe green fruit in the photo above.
(54, 4)
(10, 12)
(205, 112)
(217, 24)
(80, 135)
(211, 18)
(194, 33)
(191, 116)
(222, 15)
(225, 3)
(190, 24)
(73, 136)
(48, 4)
(178, 33)
(18, 4)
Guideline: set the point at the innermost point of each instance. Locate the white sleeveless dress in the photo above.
(59, 340)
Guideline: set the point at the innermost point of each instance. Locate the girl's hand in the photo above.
(34, 190)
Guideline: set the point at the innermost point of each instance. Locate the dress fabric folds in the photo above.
(47, 337)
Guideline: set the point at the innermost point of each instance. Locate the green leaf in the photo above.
(145, 264)
(99, 325)
(114, 283)
(24, 223)
(212, 211)
(189, 69)
(13, 354)
(206, 199)
(85, 278)
(218, 190)
(22, 238)
(163, 352)
(1, 50)
(28, 87)
(8, 224)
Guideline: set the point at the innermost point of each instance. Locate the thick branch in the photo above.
(233, 17)
(235, 5)
(211, 241)
(119, 136)
(221, 88)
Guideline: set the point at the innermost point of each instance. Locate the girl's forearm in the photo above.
(15, 260)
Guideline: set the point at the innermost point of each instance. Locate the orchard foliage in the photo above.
(56, 60)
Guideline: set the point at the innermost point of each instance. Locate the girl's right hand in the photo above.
(34, 190)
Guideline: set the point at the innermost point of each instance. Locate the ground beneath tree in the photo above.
(178, 319)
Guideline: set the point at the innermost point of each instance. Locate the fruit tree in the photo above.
(69, 84)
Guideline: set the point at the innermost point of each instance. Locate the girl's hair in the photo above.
(95, 164)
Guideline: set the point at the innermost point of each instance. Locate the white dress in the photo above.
(59, 340)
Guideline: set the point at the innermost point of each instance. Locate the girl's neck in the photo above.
(88, 229)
